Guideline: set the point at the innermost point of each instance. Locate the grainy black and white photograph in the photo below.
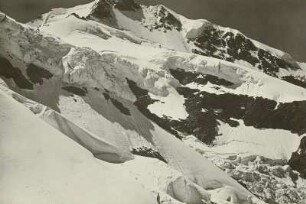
(152, 102)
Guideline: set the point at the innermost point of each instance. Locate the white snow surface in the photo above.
(270, 143)
(170, 106)
(41, 165)
(99, 146)
(246, 141)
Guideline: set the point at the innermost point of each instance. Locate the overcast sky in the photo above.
(279, 23)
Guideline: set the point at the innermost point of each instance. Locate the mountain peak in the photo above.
(103, 8)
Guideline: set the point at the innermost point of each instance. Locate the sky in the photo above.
(278, 23)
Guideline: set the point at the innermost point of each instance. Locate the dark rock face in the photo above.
(147, 152)
(78, 17)
(188, 77)
(257, 112)
(76, 90)
(117, 104)
(229, 46)
(103, 9)
(142, 103)
(298, 159)
(206, 109)
(295, 81)
(165, 20)
(8, 71)
(168, 20)
(37, 74)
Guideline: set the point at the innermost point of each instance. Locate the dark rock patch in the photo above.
(148, 152)
(168, 20)
(103, 9)
(298, 159)
(37, 74)
(79, 17)
(120, 107)
(76, 90)
(142, 103)
(295, 81)
(8, 71)
(209, 42)
(185, 77)
(229, 46)
(117, 104)
(165, 21)
(257, 112)
(106, 96)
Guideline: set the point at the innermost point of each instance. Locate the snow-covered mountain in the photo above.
(116, 102)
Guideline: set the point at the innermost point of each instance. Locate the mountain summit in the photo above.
(116, 102)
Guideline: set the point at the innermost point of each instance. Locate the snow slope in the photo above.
(179, 156)
(100, 147)
(41, 165)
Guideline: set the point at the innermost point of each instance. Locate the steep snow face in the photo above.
(41, 165)
(100, 147)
